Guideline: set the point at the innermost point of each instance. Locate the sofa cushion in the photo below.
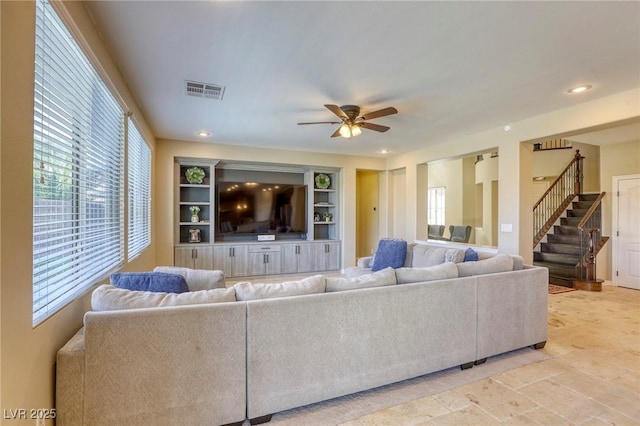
(425, 255)
(390, 253)
(470, 255)
(384, 277)
(110, 298)
(518, 262)
(437, 272)
(255, 291)
(149, 281)
(498, 263)
(197, 279)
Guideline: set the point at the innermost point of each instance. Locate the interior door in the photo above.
(626, 253)
(367, 215)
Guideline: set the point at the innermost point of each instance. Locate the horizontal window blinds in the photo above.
(139, 162)
(78, 236)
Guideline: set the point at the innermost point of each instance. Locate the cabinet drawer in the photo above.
(264, 249)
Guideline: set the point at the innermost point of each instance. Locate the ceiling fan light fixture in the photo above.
(345, 131)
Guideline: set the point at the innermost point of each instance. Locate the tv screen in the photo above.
(261, 208)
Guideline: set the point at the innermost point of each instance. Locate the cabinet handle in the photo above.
(326, 248)
(194, 253)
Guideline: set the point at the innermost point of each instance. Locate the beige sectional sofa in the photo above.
(219, 363)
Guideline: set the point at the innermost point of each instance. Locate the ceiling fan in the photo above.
(352, 122)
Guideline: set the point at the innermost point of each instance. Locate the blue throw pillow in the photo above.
(470, 255)
(150, 281)
(390, 253)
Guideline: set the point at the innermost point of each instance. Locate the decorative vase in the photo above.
(195, 218)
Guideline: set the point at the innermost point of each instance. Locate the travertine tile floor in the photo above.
(592, 375)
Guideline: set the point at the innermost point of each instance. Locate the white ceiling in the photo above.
(450, 68)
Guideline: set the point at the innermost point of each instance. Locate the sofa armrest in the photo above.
(365, 262)
(70, 381)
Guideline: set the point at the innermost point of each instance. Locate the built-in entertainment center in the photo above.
(251, 219)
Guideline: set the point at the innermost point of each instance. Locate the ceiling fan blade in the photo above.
(336, 133)
(380, 113)
(320, 122)
(337, 111)
(371, 126)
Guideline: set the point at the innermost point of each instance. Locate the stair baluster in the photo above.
(557, 198)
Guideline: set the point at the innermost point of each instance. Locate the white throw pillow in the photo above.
(498, 263)
(197, 279)
(383, 277)
(416, 275)
(255, 291)
(110, 298)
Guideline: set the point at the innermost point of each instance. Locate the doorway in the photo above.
(626, 231)
(367, 212)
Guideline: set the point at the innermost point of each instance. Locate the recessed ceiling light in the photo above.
(203, 133)
(579, 89)
(507, 127)
(383, 151)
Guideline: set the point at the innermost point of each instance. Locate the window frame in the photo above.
(51, 293)
(436, 205)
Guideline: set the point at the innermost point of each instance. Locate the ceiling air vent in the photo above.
(203, 90)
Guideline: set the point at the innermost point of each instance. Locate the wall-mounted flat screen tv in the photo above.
(246, 208)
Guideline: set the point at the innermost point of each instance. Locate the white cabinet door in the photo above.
(200, 257)
(332, 256)
(325, 256)
(296, 258)
(265, 260)
(232, 260)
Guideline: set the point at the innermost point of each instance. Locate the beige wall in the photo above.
(551, 163)
(616, 160)
(27, 354)
(167, 150)
(486, 174)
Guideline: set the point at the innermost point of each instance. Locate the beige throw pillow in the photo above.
(254, 291)
(416, 275)
(425, 256)
(498, 263)
(383, 277)
(197, 279)
(110, 298)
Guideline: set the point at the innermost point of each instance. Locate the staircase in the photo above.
(561, 252)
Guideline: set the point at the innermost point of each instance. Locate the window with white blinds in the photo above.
(139, 184)
(78, 179)
(435, 205)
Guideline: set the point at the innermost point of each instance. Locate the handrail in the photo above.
(576, 158)
(591, 240)
(592, 210)
(557, 198)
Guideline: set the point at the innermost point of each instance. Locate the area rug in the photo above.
(340, 410)
(555, 289)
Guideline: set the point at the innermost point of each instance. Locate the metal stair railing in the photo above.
(557, 198)
(590, 228)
